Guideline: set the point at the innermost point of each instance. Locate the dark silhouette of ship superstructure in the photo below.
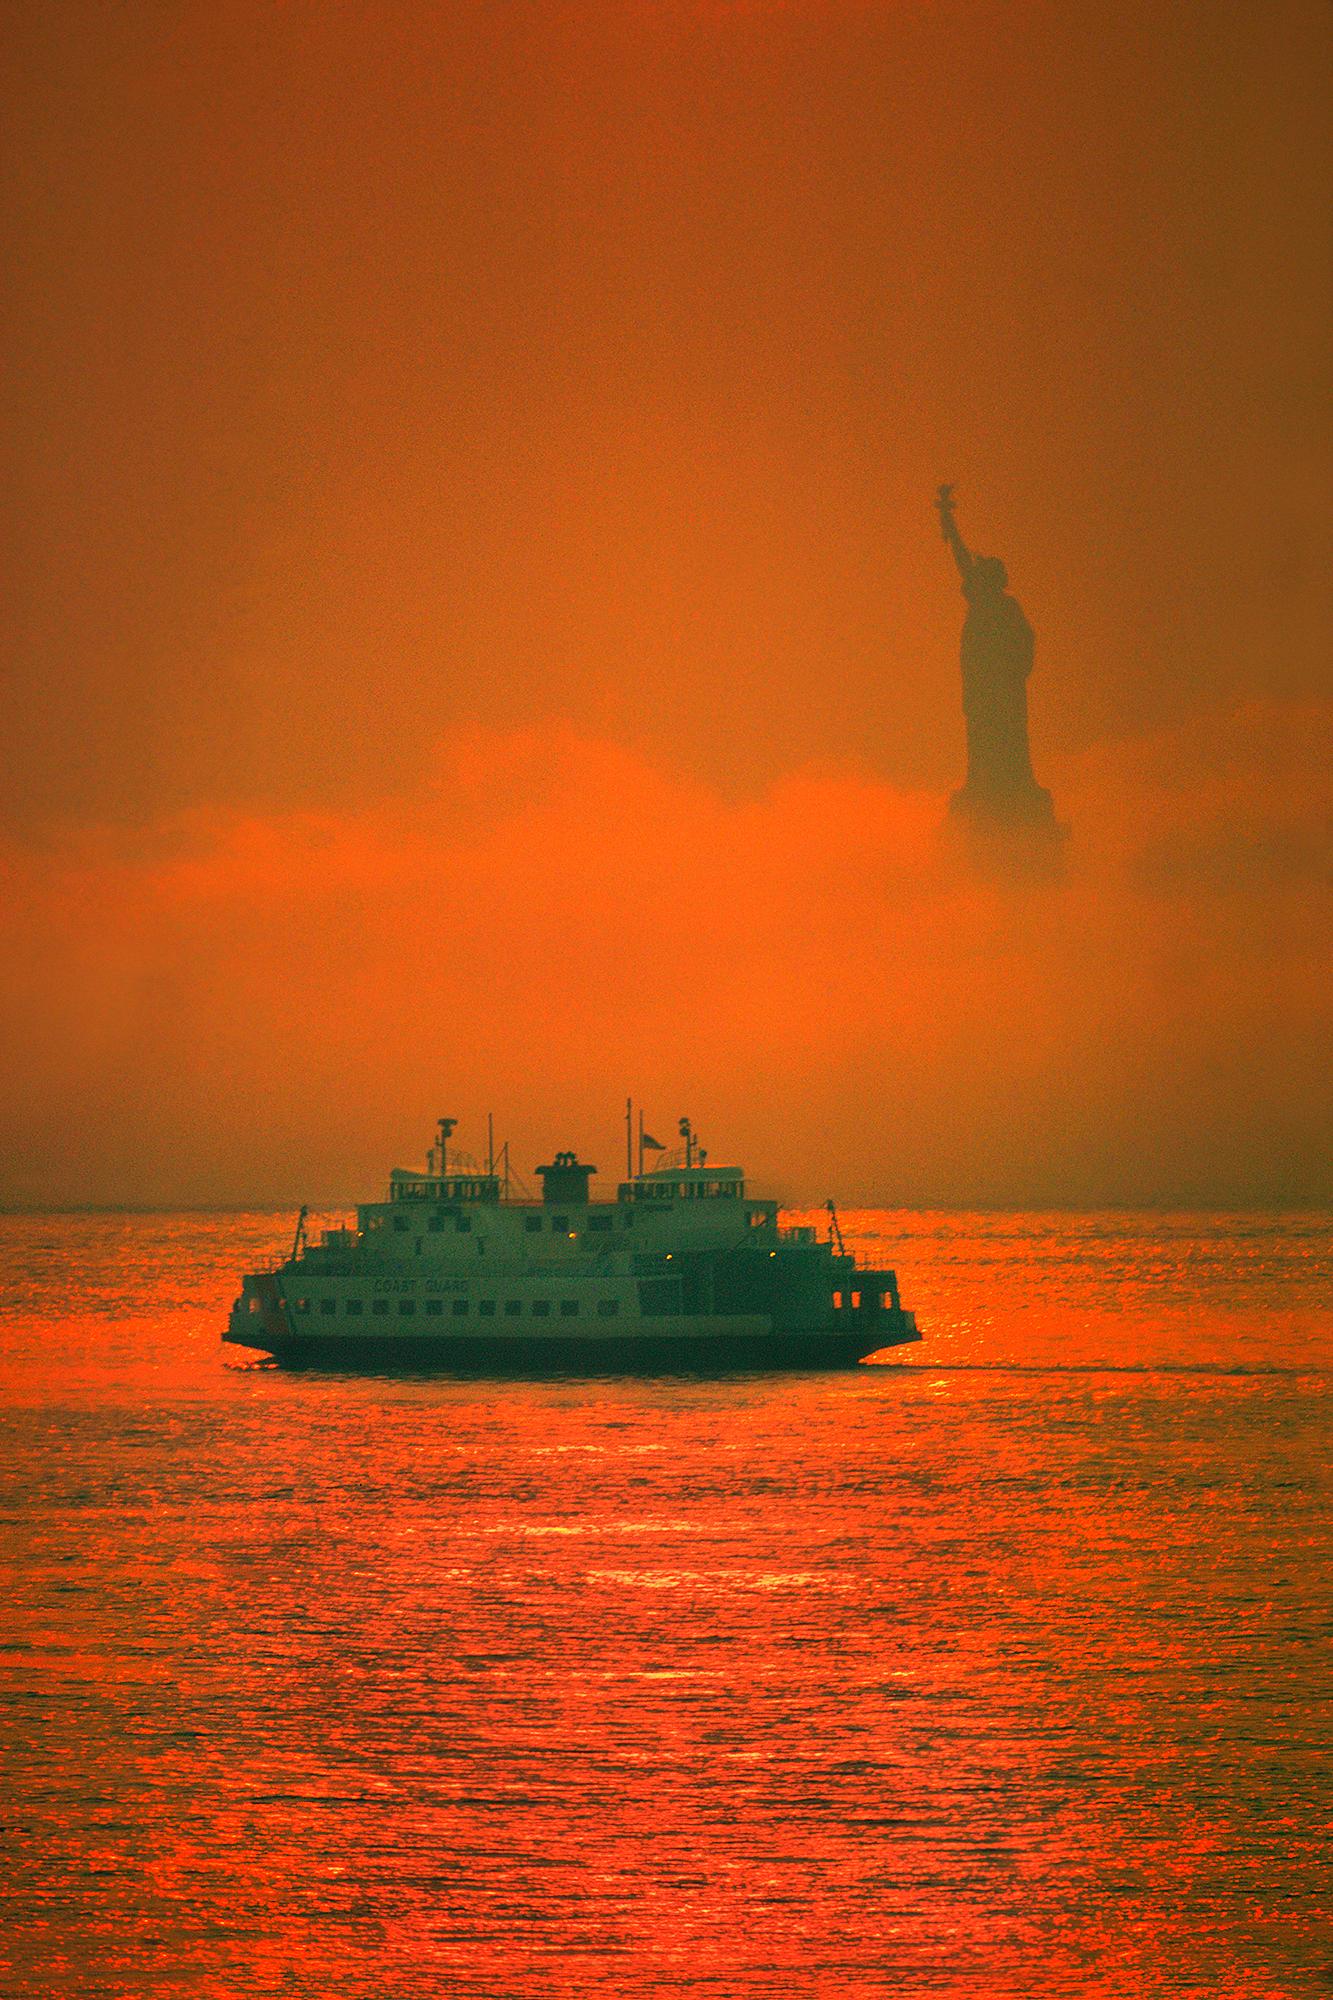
(685, 1270)
(1006, 814)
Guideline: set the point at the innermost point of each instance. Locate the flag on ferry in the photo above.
(651, 1145)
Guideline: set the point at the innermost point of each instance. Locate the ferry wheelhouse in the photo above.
(684, 1269)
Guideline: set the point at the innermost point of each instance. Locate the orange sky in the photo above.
(478, 634)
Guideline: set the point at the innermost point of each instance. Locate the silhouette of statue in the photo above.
(1000, 791)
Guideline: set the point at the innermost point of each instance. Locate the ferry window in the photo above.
(303, 1305)
(756, 1218)
(402, 1223)
(464, 1224)
(256, 1305)
(380, 1306)
(328, 1305)
(837, 1301)
(560, 1224)
(886, 1299)
(434, 1307)
(628, 1218)
(435, 1224)
(458, 1308)
(569, 1307)
(599, 1222)
(541, 1308)
(407, 1307)
(608, 1308)
(487, 1308)
(856, 1301)
(354, 1307)
(512, 1307)
(532, 1222)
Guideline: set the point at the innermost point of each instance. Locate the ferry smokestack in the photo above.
(565, 1181)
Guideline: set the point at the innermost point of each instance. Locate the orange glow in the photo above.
(229, 1005)
(481, 634)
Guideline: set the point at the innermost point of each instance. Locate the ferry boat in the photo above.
(683, 1271)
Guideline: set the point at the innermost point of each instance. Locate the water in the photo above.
(1000, 1671)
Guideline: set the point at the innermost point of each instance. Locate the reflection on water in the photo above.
(1001, 1670)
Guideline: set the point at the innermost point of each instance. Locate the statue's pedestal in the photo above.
(1010, 835)
(1028, 805)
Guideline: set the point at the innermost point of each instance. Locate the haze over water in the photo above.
(999, 1670)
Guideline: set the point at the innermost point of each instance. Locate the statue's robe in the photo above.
(997, 660)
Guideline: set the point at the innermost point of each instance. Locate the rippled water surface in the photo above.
(1001, 1671)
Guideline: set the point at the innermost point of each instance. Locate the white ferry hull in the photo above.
(692, 1353)
(719, 1344)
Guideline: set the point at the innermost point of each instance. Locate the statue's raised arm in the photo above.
(962, 555)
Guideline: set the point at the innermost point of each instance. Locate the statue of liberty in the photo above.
(1000, 791)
